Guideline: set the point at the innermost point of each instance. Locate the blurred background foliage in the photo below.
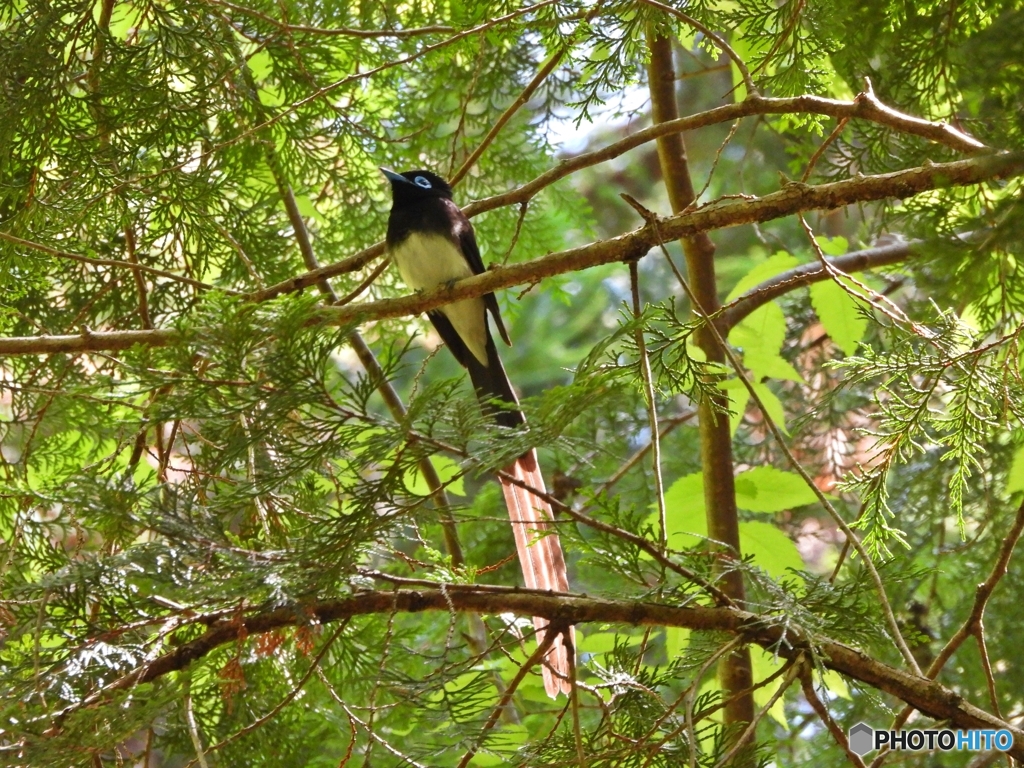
(251, 464)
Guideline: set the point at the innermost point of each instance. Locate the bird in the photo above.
(432, 243)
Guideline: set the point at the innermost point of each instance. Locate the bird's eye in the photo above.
(421, 181)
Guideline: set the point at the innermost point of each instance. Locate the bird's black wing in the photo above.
(490, 381)
(463, 230)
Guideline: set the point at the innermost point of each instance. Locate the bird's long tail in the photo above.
(540, 555)
(537, 544)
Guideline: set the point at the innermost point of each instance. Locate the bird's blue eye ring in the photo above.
(421, 181)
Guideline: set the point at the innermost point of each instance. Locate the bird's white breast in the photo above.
(426, 261)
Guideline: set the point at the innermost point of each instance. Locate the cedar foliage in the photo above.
(151, 495)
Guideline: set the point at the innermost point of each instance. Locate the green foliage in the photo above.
(760, 490)
(945, 389)
(247, 468)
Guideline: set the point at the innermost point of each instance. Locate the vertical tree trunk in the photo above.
(715, 440)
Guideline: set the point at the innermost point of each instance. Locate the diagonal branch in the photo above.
(793, 198)
(927, 696)
(865, 107)
(806, 274)
(807, 684)
(982, 595)
(506, 697)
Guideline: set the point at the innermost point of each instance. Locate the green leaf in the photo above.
(761, 335)
(774, 265)
(687, 525)
(308, 210)
(739, 397)
(771, 548)
(761, 332)
(764, 665)
(833, 246)
(839, 313)
(775, 367)
(676, 641)
(603, 642)
(684, 511)
(836, 684)
(772, 406)
(767, 489)
(447, 469)
(261, 64)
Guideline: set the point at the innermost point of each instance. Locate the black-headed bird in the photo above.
(432, 243)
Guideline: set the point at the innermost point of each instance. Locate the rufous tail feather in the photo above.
(540, 555)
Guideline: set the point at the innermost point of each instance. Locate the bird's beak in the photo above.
(394, 177)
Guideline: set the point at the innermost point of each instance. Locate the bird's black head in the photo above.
(414, 186)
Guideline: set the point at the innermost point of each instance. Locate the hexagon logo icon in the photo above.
(862, 739)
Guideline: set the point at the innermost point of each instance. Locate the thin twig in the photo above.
(986, 665)
(898, 639)
(193, 731)
(807, 684)
(313, 668)
(574, 696)
(714, 164)
(640, 542)
(348, 80)
(550, 634)
(524, 96)
(717, 39)
(687, 698)
(806, 274)
(374, 736)
(106, 262)
(871, 297)
(824, 145)
(366, 283)
(652, 406)
(740, 741)
(982, 595)
(639, 454)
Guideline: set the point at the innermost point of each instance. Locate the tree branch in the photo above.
(929, 697)
(793, 198)
(734, 671)
(866, 107)
(806, 274)
(982, 595)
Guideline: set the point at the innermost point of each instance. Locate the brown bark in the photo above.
(734, 671)
(792, 198)
(865, 107)
(927, 696)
